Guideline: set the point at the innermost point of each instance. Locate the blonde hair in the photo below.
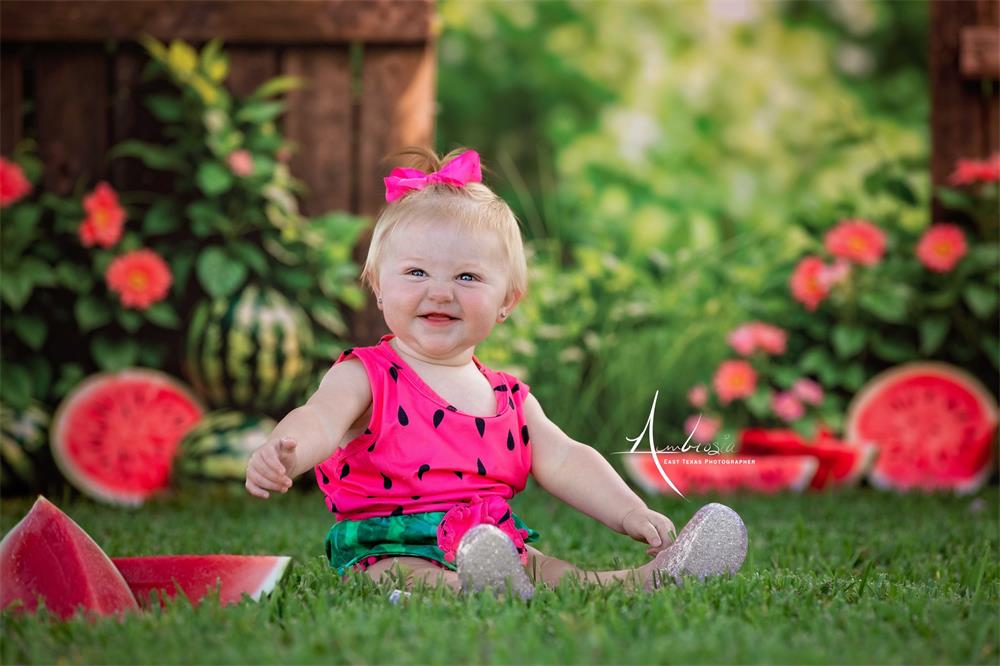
(473, 206)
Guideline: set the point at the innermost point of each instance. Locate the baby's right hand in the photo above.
(268, 467)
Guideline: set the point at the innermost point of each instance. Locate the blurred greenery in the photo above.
(670, 162)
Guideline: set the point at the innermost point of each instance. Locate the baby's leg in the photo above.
(551, 570)
(414, 568)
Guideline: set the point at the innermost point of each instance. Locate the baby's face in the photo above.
(442, 289)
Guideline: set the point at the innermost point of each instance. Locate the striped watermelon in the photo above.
(217, 449)
(24, 436)
(250, 352)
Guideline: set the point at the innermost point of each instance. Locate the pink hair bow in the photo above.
(461, 170)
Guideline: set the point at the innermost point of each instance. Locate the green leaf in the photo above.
(295, 279)
(205, 218)
(941, 300)
(990, 344)
(218, 274)
(353, 296)
(91, 313)
(853, 377)
(847, 340)
(163, 314)
(933, 331)
(759, 403)
(891, 349)
(153, 156)
(955, 199)
(70, 375)
(40, 273)
(161, 218)
(112, 355)
(130, 320)
(152, 355)
(213, 178)
(329, 317)
(74, 276)
(180, 267)
(40, 370)
(276, 86)
(889, 304)
(813, 360)
(31, 329)
(251, 255)
(15, 385)
(981, 300)
(15, 288)
(259, 112)
(166, 108)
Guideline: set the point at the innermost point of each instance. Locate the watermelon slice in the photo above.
(840, 464)
(934, 425)
(115, 435)
(697, 473)
(197, 575)
(48, 555)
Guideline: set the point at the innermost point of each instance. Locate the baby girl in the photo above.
(417, 445)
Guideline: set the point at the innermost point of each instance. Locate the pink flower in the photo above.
(808, 282)
(941, 246)
(140, 278)
(859, 241)
(705, 430)
(13, 184)
(698, 395)
(240, 162)
(787, 406)
(734, 379)
(969, 172)
(492, 510)
(748, 338)
(832, 274)
(808, 391)
(105, 217)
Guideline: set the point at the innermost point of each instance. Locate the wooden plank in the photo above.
(261, 21)
(12, 95)
(250, 66)
(980, 52)
(396, 110)
(71, 96)
(319, 121)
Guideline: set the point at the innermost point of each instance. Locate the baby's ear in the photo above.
(512, 300)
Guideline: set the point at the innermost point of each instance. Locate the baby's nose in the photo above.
(440, 290)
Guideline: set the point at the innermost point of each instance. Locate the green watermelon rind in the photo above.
(18, 455)
(91, 487)
(206, 442)
(878, 383)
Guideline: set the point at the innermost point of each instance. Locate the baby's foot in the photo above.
(713, 542)
(487, 558)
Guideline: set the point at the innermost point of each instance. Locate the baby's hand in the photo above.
(654, 528)
(268, 467)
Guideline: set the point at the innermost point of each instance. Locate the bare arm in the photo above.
(312, 432)
(580, 476)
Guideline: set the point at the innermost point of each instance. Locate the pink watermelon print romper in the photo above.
(423, 472)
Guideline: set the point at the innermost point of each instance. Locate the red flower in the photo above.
(105, 217)
(240, 162)
(13, 184)
(734, 379)
(748, 338)
(140, 278)
(809, 283)
(941, 246)
(698, 395)
(969, 172)
(492, 510)
(859, 241)
(787, 406)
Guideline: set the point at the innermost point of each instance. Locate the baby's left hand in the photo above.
(651, 527)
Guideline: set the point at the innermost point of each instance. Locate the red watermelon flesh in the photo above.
(840, 464)
(697, 473)
(934, 425)
(197, 575)
(49, 555)
(114, 436)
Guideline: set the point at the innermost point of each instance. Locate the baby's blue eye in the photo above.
(416, 270)
(469, 275)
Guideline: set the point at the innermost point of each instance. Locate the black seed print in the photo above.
(397, 365)
(451, 409)
(326, 479)
(480, 426)
(458, 474)
(371, 448)
(524, 434)
(438, 415)
(480, 468)
(510, 441)
(398, 511)
(515, 388)
(368, 431)
(510, 402)
(329, 550)
(345, 470)
(394, 374)
(348, 351)
(333, 507)
(506, 516)
(420, 472)
(502, 388)
(403, 420)
(386, 481)
(415, 497)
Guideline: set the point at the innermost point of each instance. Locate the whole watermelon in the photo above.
(24, 436)
(250, 352)
(217, 449)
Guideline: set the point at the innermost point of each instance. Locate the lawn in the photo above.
(854, 577)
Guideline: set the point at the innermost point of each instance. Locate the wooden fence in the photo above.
(369, 67)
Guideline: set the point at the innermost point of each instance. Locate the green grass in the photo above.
(854, 577)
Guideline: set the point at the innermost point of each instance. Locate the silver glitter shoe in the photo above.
(713, 542)
(487, 559)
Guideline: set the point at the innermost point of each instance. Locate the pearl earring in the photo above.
(380, 301)
(503, 315)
